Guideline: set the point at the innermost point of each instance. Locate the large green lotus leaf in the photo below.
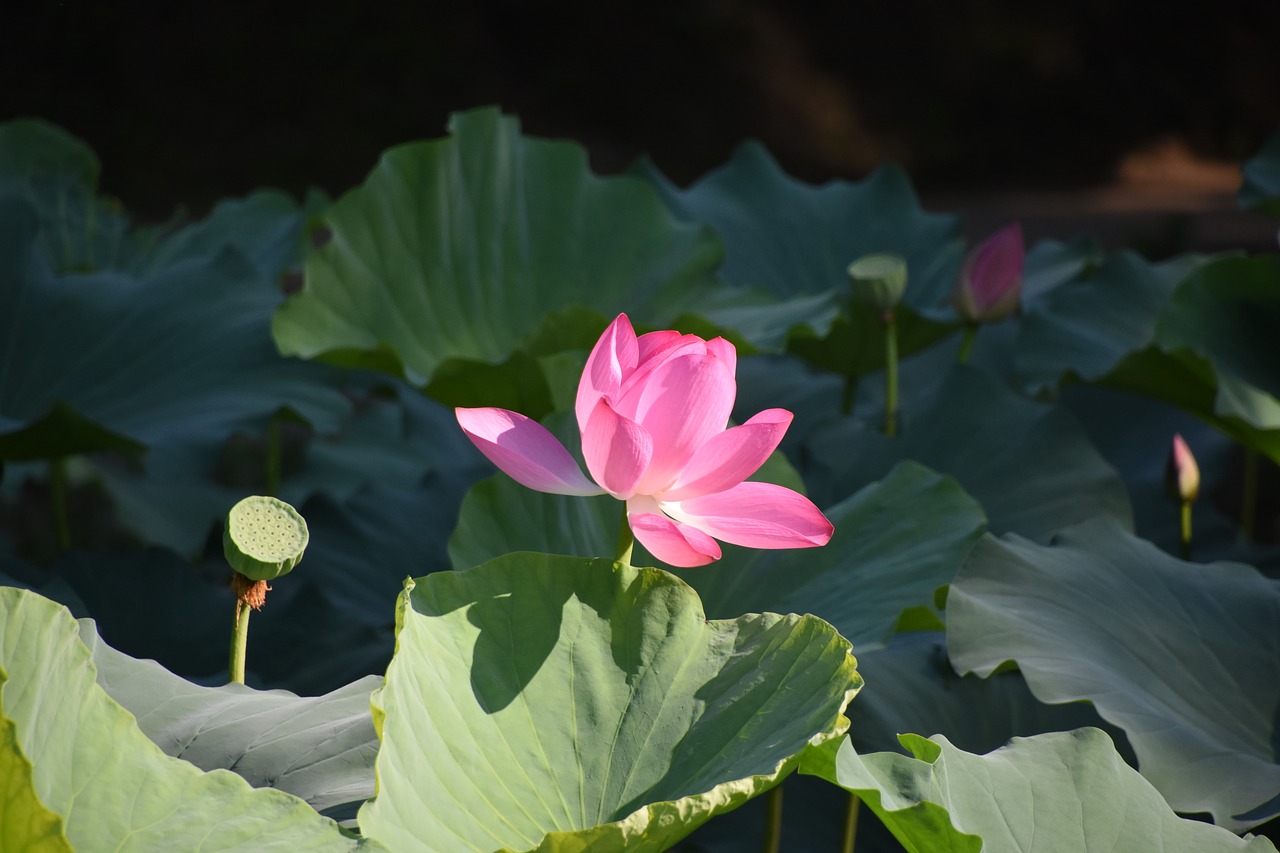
(267, 227)
(1087, 326)
(174, 361)
(896, 542)
(64, 432)
(26, 826)
(911, 686)
(796, 239)
(500, 516)
(1261, 187)
(390, 436)
(1184, 657)
(457, 248)
(1029, 465)
(557, 703)
(1192, 333)
(113, 788)
(318, 748)
(57, 176)
(1044, 794)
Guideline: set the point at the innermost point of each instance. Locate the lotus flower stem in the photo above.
(966, 344)
(1249, 494)
(58, 494)
(239, 641)
(626, 541)
(773, 820)
(890, 374)
(850, 824)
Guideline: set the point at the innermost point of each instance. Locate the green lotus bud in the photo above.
(878, 280)
(264, 538)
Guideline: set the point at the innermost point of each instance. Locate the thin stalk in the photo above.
(58, 494)
(773, 820)
(1249, 494)
(1186, 529)
(239, 641)
(626, 541)
(273, 457)
(966, 343)
(890, 374)
(850, 824)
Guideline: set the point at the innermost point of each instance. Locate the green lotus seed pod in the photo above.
(264, 538)
(878, 280)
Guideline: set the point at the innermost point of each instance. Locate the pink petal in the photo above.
(660, 348)
(726, 352)
(617, 450)
(614, 356)
(652, 345)
(731, 457)
(757, 515)
(671, 542)
(525, 450)
(681, 405)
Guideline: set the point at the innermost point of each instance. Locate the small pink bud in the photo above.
(990, 282)
(1181, 473)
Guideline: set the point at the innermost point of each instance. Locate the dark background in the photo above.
(1049, 111)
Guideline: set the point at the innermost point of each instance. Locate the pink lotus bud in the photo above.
(1181, 473)
(990, 282)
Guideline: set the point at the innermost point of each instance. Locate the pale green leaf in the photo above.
(555, 704)
(1184, 657)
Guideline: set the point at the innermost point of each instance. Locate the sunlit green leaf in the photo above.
(557, 704)
(1044, 794)
(112, 787)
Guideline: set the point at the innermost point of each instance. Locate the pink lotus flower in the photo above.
(652, 412)
(991, 280)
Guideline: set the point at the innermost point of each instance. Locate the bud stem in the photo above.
(890, 374)
(1185, 515)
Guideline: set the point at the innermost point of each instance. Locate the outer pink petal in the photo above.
(617, 450)
(757, 515)
(612, 359)
(731, 457)
(682, 405)
(525, 450)
(671, 542)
